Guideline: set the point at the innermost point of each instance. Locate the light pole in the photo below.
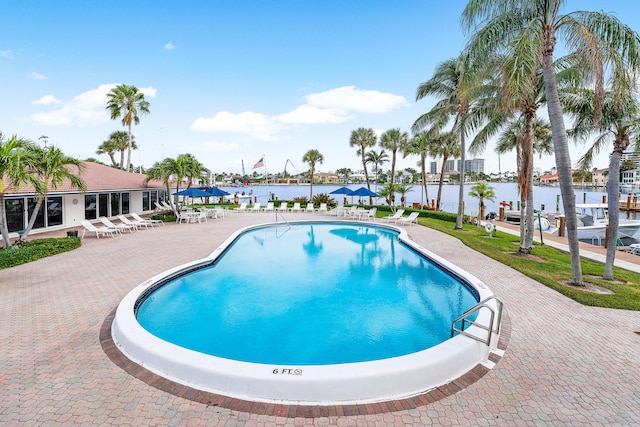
(44, 139)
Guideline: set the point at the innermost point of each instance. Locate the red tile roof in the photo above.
(98, 177)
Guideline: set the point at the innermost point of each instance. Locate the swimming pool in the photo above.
(263, 340)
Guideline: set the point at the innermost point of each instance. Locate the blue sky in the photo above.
(233, 80)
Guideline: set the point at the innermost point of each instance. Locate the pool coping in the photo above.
(290, 410)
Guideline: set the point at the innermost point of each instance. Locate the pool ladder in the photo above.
(494, 320)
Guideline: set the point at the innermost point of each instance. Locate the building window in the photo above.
(54, 211)
(103, 204)
(125, 203)
(90, 206)
(146, 203)
(115, 204)
(15, 214)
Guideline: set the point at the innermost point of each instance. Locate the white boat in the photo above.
(593, 219)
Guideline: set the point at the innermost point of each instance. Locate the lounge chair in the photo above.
(136, 224)
(394, 217)
(241, 208)
(337, 211)
(118, 227)
(269, 207)
(309, 208)
(323, 208)
(256, 208)
(282, 207)
(410, 220)
(371, 214)
(138, 218)
(93, 229)
(296, 207)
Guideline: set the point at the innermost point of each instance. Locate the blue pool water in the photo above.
(309, 294)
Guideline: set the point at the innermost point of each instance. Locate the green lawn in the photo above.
(549, 266)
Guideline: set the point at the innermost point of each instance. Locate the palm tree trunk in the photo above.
(4, 228)
(129, 149)
(424, 178)
(463, 148)
(32, 219)
(525, 185)
(311, 185)
(444, 162)
(613, 188)
(366, 173)
(121, 160)
(563, 163)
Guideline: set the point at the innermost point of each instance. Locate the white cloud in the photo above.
(88, 108)
(37, 76)
(348, 98)
(47, 100)
(6, 54)
(257, 125)
(169, 46)
(332, 106)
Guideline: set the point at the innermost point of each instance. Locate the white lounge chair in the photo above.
(118, 227)
(337, 211)
(269, 207)
(241, 208)
(123, 219)
(322, 208)
(296, 207)
(410, 220)
(256, 208)
(309, 208)
(371, 214)
(93, 229)
(150, 221)
(282, 207)
(394, 217)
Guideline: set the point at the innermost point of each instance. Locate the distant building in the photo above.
(472, 166)
(600, 177)
(433, 167)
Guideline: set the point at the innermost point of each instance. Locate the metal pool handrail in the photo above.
(490, 329)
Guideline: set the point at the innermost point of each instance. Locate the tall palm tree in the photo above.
(531, 26)
(377, 159)
(52, 168)
(118, 141)
(126, 101)
(393, 140)
(420, 145)
(458, 84)
(109, 148)
(445, 145)
(13, 162)
(345, 173)
(187, 166)
(482, 191)
(619, 126)
(512, 138)
(363, 138)
(312, 158)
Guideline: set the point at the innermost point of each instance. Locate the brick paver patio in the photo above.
(566, 364)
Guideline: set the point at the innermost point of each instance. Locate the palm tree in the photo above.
(403, 190)
(393, 140)
(482, 191)
(619, 126)
(187, 166)
(377, 159)
(512, 138)
(118, 141)
(126, 101)
(108, 147)
(163, 171)
(345, 173)
(445, 145)
(363, 139)
(312, 157)
(533, 26)
(420, 145)
(13, 162)
(458, 83)
(52, 168)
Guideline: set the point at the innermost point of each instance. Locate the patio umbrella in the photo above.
(342, 190)
(192, 192)
(363, 191)
(216, 192)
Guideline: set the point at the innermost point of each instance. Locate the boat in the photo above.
(540, 219)
(593, 219)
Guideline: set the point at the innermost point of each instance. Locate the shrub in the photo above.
(36, 249)
(320, 198)
(301, 200)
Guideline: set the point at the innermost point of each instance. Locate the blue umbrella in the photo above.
(342, 190)
(192, 192)
(363, 191)
(216, 192)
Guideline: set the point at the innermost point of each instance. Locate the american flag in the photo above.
(259, 164)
